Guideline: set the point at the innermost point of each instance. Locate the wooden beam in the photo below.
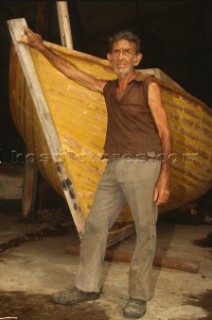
(16, 28)
(64, 24)
(160, 75)
(30, 186)
(44, 12)
(159, 261)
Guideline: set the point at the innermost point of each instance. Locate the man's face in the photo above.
(123, 57)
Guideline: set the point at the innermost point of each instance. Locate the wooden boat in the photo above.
(63, 125)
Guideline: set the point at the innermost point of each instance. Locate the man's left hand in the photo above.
(162, 190)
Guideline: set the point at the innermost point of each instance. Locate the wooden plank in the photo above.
(16, 28)
(29, 188)
(44, 15)
(30, 185)
(159, 261)
(64, 24)
(160, 75)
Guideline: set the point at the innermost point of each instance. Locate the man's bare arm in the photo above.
(162, 187)
(35, 41)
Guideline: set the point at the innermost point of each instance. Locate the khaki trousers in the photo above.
(123, 181)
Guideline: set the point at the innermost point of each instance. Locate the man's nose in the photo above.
(121, 55)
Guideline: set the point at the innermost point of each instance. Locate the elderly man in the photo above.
(138, 148)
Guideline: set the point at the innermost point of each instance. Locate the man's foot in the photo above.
(135, 309)
(74, 295)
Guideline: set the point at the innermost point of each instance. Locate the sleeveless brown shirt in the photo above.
(131, 129)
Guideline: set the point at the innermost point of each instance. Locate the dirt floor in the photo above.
(34, 264)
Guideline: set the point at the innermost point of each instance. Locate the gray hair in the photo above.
(126, 35)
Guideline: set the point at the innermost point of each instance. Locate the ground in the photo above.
(34, 264)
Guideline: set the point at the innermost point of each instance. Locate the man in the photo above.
(138, 133)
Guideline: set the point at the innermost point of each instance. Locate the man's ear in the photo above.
(109, 57)
(138, 58)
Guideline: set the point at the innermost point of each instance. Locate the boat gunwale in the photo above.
(142, 73)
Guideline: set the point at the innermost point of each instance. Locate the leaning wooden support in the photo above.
(161, 262)
(41, 111)
(29, 188)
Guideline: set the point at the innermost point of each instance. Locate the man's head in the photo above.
(125, 35)
(124, 52)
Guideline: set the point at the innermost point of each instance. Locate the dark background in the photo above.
(176, 37)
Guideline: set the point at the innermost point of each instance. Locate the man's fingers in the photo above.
(155, 195)
(162, 198)
(30, 38)
(23, 39)
(27, 30)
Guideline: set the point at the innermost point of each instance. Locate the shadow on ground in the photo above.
(23, 306)
(204, 301)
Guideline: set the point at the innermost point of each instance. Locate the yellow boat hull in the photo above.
(78, 119)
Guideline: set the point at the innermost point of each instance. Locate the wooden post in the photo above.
(30, 186)
(64, 24)
(16, 27)
(44, 14)
(159, 261)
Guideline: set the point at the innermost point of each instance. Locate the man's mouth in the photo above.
(121, 65)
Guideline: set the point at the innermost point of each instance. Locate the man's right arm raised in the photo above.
(35, 41)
